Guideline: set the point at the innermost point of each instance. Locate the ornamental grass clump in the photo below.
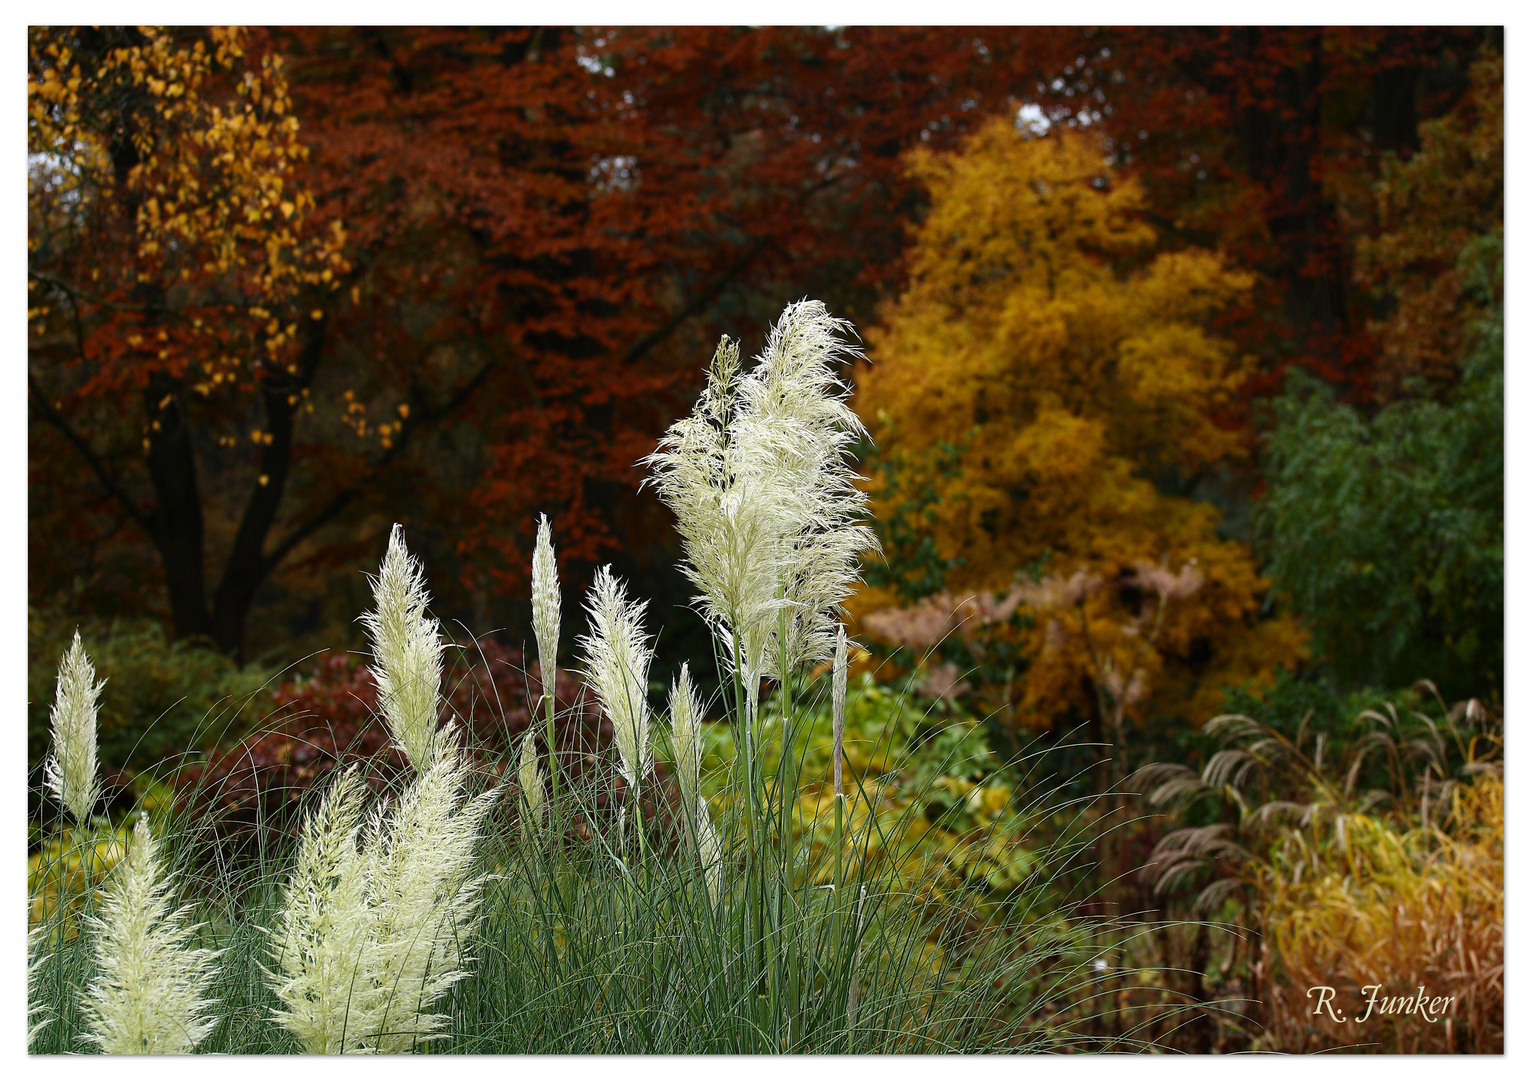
(761, 482)
(377, 918)
(753, 941)
(735, 923)
(1373, 856)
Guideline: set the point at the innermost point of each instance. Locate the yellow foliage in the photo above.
(212, 189)
(1399, 910)
(70, 865)
(1072, 365)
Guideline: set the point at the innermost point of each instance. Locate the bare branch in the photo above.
(45, 408)
(341, 499)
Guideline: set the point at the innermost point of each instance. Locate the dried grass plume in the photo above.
(616, 658)
(546, 604)
(760, 479)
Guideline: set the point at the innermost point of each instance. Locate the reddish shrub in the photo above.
(251, 792)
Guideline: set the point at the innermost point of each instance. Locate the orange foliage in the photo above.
(1428, 209)
(1075, 368)
(1264, 141)
(544, 225)
(173, 257)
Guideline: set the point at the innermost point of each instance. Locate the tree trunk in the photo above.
(176, 520)
(248, 564)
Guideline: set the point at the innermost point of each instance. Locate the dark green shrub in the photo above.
(1388, 532)
(161, 698)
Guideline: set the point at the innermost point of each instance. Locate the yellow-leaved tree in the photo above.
(1044, 381)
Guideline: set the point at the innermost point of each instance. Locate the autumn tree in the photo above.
(1264, 142)
(576, 212)
(1429, 208)
(1076, 371)
(173, 268)
(545, 226)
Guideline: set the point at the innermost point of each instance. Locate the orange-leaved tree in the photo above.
(1066, 382)
(1428, 209)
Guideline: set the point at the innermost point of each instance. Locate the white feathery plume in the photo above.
(322, 945)
(617, 655)
(684, 713)
(732, 516)
(839, 708)
(407, 647)
(71, 769)
(423, 898)
(796, 397)
(759, 479)
(39, 1014)
(149, 993)
(546, 605)
(373, 932)
(531, 789)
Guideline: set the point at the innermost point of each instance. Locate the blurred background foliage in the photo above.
(1185, 379)
(165, 697)
(1387, 530)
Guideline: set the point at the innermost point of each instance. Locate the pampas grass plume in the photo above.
(765, 499)
(322, 944)
(407, 648)
(39, 1014)
(531, 789)
(684, 713)
(709, 845)
(424, 898)
(546, 604)
(616, 658)
(71, 769)
(798, 415)
(732, 513)
(149, 993)
(373, 932)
